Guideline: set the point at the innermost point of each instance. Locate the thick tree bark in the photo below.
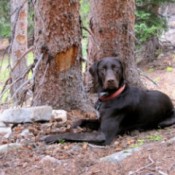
(58, 80)
(112, 34)
(19, 11)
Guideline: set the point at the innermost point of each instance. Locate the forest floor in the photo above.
(157, 156)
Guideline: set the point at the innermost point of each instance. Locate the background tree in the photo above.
(112, 33)
(149, 26)
(19, 11)
(58, 80)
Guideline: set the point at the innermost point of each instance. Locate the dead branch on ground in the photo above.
(144, 167)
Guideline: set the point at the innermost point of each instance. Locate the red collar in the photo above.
(114, 95)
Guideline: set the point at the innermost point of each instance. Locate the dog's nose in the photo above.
(110, 81)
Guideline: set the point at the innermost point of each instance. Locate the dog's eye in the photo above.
(102, 69)
(114, 67)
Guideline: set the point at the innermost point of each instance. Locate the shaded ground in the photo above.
(156, 157)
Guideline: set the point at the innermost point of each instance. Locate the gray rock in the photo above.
(172, 140)
(25, 132)
(59, 115)
(2, 172)
(5, 130)
(50, 159)
(24, 115)
(11, 146)
(117, 157)
(2, 124)
(7, 135)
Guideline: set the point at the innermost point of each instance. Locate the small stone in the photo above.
(171, 141)
(2, 172)
(5, 130)
(50, 159)
(59, 115)
(11, 146)
(2, 124)
(25, 132)
(7, 135)
(117, 157)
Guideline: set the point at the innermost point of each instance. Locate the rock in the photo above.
(59, 115)
(2, 172)
(117, 157)
(11, 146)
(25, 115)
(2, 124)
(25, 132)
(50, 159)
(5, 130)
(172, 140)
(7, 135)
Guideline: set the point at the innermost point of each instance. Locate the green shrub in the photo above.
(148, 25)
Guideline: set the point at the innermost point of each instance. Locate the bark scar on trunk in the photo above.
(64, 60)
(21, 39)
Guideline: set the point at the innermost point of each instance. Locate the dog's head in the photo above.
(108, 73)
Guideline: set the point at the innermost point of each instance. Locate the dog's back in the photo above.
(143, 109)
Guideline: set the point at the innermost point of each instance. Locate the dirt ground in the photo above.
(155, 158)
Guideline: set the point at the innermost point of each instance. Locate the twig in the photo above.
(6, 83)
(142, 168)
(42, 80)
(22, 77)
(25, 83)
(31, 81)
(3, 57)
(19, 60)
(91, 34)
(37, 65)
(144, 75)
(161, 172)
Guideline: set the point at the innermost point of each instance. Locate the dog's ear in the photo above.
(93, 69)
(94, 74)
(123, 65)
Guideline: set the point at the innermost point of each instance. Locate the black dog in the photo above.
(121, 107)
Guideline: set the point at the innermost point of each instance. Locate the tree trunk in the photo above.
(112, 34)
(58, 79)
(19, 11)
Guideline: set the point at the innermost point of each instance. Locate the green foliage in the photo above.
(148, 25)
(5, 26)
(138, 143)
(147, 139)
(169, 69)
(148, 21)
(4, 18)
(84, 11)
(30, 20)
(155, 137)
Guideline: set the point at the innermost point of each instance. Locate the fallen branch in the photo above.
(92, 35)
(5, 84)
(144, 167)
(147, 77)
